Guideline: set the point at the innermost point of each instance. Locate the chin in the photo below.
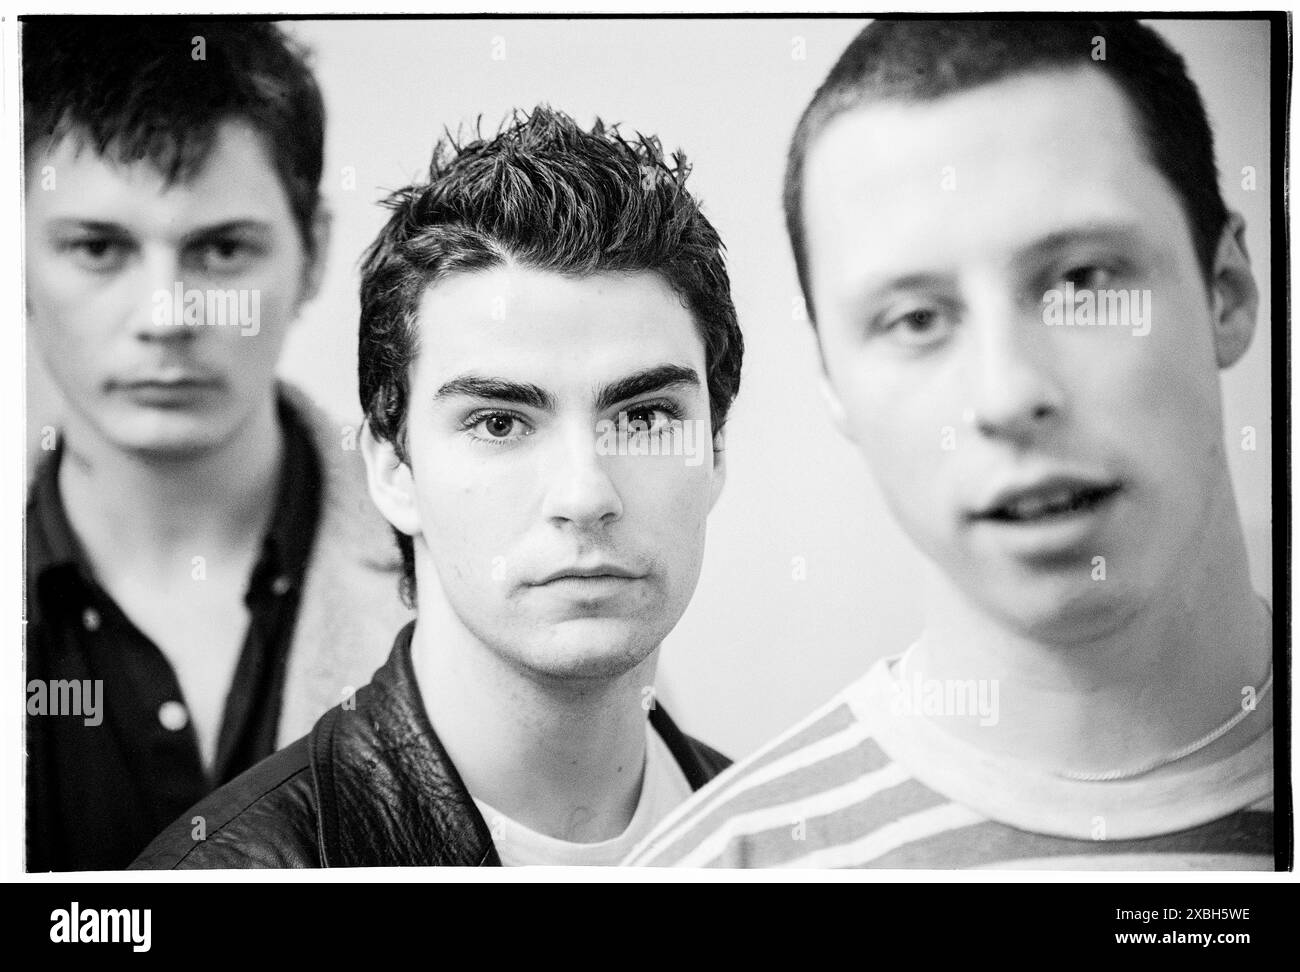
(589, 648)
(164, 435)
(1064, 612)
(180, 444)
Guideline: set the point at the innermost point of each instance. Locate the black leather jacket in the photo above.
(368, 786)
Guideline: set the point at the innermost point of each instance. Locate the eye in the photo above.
(98, 254)
(920, 327)
(496, 428)
(1089, 276)
(651, 418)
(223, 254)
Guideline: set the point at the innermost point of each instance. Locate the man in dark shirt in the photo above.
(193, 520)
(125, 785)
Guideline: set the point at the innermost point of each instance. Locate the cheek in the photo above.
(276, 286)
(904, 430)
(1159, 392)
(62, 303)
(75, 337)
(909, 434)
(255, 354)
(667, 503)
(470, 512)
(254, 350)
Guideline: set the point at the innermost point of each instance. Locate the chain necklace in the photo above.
(1110, 776)
(1107, 776)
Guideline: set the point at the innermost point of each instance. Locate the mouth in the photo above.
(593, 574)
(166, 390)
(167, 381)
(1053, 500)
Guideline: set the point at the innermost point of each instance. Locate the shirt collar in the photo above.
(55, 556)
(291, 533)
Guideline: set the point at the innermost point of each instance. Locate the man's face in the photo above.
(128, 280)
(1016, 452)
(557, 546)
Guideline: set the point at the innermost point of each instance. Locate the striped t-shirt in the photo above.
(863, 782)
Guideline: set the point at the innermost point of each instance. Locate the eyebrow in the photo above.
(108, 227)
(1121, 232)
(654, 379)
(643, 382)
(1110, 232)
(229, 226)
(497, 389)
(65, 223)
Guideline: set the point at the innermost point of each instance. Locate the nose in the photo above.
(157, 295)
(1016, 390)
(579, 490)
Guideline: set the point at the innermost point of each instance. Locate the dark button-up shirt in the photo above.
(101, 784)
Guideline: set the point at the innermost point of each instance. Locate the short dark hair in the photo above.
(156, 88)
(549, 195)
(901, 59)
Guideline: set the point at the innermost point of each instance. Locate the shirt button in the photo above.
(173, 716)
(281, 585)
(90, 618)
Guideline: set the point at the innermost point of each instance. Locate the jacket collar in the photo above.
(388, 793)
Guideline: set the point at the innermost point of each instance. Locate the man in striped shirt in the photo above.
(1024, 281)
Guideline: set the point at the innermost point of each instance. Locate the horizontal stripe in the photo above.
(1141, 862)
(788, 815)
(702, 812)
(990, 844)
(864, 850)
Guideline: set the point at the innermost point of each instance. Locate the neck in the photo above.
(563, 757)
(147, 510)
(1171, 672)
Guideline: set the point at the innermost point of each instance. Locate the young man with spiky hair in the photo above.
(1091, 685)
(548, 353)
(205, 574)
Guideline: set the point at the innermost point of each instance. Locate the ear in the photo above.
(839, 417)
(313, 271)
(1234, 295)
(392, 487)
(719, 466)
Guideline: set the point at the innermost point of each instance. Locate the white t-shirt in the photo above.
(663, 787)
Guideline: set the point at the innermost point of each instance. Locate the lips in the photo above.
(1053, 499)
(169, 392)
(168, 381)
(589, 572)
(167, 387)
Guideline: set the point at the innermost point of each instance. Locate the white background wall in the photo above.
(757, 648)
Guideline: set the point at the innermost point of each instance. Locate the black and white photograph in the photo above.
(605, 444)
